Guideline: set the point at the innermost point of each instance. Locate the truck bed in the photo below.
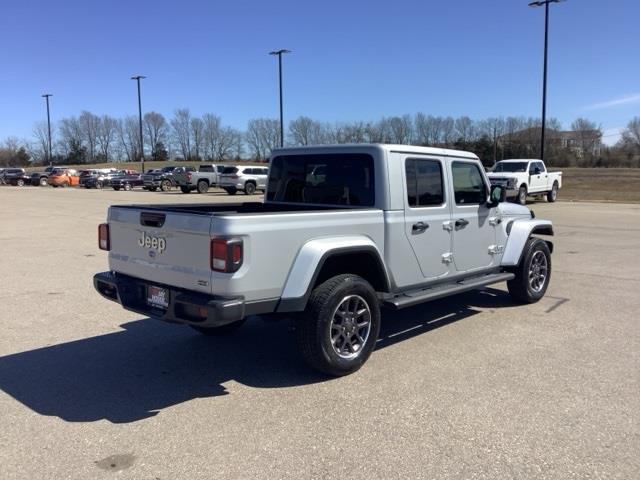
(225, 209)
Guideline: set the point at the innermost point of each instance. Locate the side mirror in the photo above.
(497, 195)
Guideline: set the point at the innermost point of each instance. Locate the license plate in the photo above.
(157, 297)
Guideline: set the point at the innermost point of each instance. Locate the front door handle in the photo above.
(419, 227)
(461, 223)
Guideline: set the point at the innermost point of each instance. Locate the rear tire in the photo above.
(219, 331)
(533, 273)
(152, 189)
(249, 188)
(522, 195)
(203, 186)
(20, 183)
(340, 326)
(43, 182)
(231, 190)
(116, 188)
(185, 189)
(552, 195)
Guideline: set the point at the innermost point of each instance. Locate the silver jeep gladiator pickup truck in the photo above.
(343, 231)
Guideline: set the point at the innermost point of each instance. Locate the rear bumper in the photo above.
(184, 306)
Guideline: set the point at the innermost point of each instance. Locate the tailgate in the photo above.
(170, 248)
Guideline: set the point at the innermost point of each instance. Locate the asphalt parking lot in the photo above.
(468, 387)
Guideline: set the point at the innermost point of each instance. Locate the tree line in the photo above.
(91, 138)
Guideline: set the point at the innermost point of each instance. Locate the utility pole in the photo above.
(279, 54)
(46, 97)
(546, 3)
(138, 78)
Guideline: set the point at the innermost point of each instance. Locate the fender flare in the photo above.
(519, 232)
(310, 260)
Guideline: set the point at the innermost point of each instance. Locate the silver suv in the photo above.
(248, 179)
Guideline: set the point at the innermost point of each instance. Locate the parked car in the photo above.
(526, 177)
(16, 177)
(101, 179)
(126, 181)
(206, 176)
(86, 175)
(63, 177)
(41, 178)
(247, 179)
(159, 179)
(385, 226)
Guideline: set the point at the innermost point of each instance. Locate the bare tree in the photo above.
(40, 148)
(588, 136)
(401, 129)
(90, 126)
(197, 136)
(181, 131)
(128, 135)
(306, 131)
(630, 139)
(263, 135)
(70, 133)
(155, 130)
(106, 135)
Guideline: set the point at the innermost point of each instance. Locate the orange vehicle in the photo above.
(64, 177)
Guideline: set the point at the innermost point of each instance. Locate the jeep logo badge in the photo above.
(148, 241)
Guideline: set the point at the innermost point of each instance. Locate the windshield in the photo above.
(329, 179)
(513, 167)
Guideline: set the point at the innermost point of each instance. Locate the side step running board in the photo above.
(411, 298)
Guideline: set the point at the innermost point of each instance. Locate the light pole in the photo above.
(46, 97)
(279, 54)
(546, 3)
(138, 78)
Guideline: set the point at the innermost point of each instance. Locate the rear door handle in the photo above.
(419, 227)
(461, 223)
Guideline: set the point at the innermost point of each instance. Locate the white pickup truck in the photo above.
(526, 177)
(343, 231)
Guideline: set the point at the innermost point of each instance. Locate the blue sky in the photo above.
(351, 60)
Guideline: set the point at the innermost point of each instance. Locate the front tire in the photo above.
(552, 195)
(231, 190)
(219, 331)
(340, 325)
(20, 183)
(522, 195)
(533, 273)
(185, 189)
(116, 188)
(165, 185)
(152, 189)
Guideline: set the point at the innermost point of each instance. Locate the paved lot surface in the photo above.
(469, 387)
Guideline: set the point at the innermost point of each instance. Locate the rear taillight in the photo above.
(104, 242)
(234, 176)
(226, 254)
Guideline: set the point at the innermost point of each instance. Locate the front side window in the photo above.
(468, 184)
(325, 179)
(424, 182)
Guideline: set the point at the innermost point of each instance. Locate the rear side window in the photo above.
(230, 170)
(330, 179)
(205, 168)
(424, 182)
(220, 168)
(468, 184)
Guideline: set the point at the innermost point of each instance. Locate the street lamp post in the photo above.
(279, 54)
(138, 78)
(46, 97)
(546, 3)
